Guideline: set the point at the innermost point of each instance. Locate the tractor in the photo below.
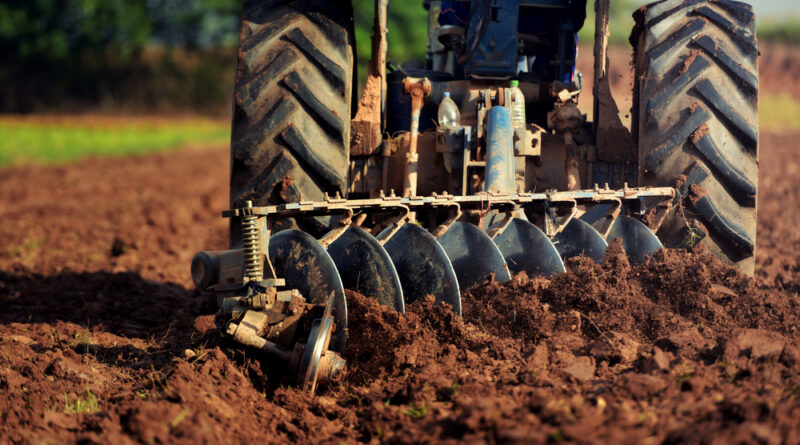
(472, 165)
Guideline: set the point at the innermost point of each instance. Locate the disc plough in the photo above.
(283, 292)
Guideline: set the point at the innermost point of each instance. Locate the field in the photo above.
(61, 138)
(104, 340)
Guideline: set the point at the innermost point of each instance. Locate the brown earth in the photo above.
(779, 69)
(103, 339)
(99, 316)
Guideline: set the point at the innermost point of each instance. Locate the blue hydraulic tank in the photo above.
(499, 151)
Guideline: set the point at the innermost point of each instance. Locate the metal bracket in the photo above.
(455, 215)
(502, 226)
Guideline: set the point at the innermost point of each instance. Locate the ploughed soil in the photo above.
(104, 340)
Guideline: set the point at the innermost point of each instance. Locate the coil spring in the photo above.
(251, 243)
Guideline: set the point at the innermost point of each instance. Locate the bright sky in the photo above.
(776, 8)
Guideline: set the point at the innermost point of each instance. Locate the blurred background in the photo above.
(85, 78)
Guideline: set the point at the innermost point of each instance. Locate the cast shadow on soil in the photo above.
(124, 304)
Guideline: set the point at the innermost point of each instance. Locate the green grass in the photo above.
(417, 411)
(778, 113)
(783, 30)
(25, 141)
(86, 402)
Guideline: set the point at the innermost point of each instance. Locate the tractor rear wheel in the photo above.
(695, 120)
(292, 104)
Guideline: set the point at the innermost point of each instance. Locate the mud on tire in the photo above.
(292, 99)
(695, 117)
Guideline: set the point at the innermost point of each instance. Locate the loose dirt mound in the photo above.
(679, 349)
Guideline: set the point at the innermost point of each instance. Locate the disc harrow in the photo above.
(400, 249)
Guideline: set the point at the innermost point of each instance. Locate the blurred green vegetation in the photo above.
(41, 141)
(173, 55)
(67, 54)
(620, 22)
(141, 55)
(785, 30)
(408, 24)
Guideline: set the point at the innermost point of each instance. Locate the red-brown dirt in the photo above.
(104, 340)
(779, 68)
(98, 309)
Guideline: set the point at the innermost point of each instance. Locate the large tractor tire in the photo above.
(292, 104)
(695, 120)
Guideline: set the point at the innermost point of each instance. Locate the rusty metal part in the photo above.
(610, 216)
(455, 215)
(271, 321)
(248, 332)
(386, 154)
(602, 11)
(220, 270)
(417, 88)
(558, 213)
(365, 128)
(613, 140)
(572, 172)
(530, 142)
(566, 119)
(656, 216)
(501, 226)
(368, 173)
(285, 316)
(483, 202)
(546, 172)
(336, 232)
(318, 364)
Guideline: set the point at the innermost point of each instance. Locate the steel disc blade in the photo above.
(423, 266)
(526, 248)
(473, 254)
(366, 267)
(579, 238)
(637, 239)
(305, 265)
